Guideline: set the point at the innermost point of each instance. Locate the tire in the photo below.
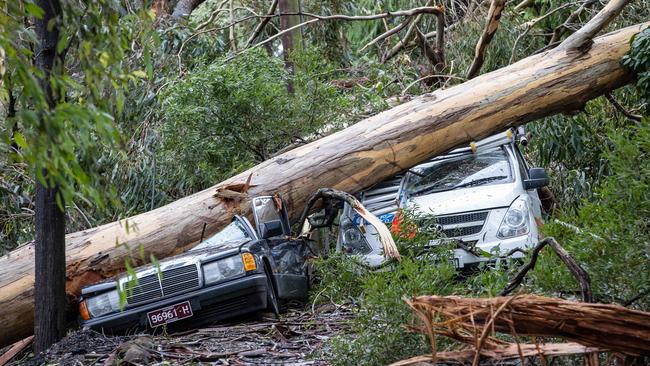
(272, 302)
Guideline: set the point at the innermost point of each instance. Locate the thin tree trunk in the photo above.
(50, 268)
(291, 40)
(349, 160)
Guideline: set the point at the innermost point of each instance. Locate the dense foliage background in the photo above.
(154, 109)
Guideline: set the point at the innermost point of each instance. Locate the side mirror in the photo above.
(270, 212)
(537, 178)
(270, 229)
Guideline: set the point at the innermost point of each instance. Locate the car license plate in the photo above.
(170, 314)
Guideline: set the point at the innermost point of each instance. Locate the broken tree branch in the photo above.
(603, 326)
(385, 237)
(491, 26)
(576, 270)
(620, 108)
(582, 39)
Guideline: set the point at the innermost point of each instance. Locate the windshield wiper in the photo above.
(480, 181)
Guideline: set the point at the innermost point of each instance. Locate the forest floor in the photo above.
(296, 338)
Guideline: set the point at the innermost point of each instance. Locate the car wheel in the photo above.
(272, 303)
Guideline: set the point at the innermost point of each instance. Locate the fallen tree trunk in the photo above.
(350, 160)
(602, 326)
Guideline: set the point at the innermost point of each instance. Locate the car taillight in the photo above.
(83, 310)
(396, 227)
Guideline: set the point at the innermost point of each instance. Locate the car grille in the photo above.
(454, 226)
(172, 281)
(459, 219)
(462, 231)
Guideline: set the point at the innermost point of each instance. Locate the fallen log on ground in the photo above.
(563, 79)
(602, 326)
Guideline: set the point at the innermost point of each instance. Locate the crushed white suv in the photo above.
(483, 197)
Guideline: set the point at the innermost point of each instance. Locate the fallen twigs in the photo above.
(15, 349)
(510, 352)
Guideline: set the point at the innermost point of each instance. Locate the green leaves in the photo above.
(33, 9)
(222, 118)
(638, 61)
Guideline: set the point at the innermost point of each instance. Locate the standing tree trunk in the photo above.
(291, 40)
(349, 160)
(49, 286)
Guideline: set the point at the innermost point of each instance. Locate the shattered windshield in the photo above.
(235, 232)
(491, 167)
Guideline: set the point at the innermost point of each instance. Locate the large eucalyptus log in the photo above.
(350, 160)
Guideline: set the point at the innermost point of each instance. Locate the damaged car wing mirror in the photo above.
(271, 217)
(537, 178)
(270, 229)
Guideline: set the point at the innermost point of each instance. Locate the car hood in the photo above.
(466, 199)
(222, 250)
(191, 256)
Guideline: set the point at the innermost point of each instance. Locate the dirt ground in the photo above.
(297, 338)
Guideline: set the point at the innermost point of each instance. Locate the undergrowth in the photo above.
(380, 333)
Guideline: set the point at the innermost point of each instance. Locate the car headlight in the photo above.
(353, 240)
(515, 222)
(223, 269)
(105, 303)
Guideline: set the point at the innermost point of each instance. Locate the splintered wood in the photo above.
(593, 327)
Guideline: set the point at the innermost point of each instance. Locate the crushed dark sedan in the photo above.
(239, 270)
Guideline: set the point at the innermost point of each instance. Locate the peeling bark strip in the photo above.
(349, 160)
(511, 352)
(491, 26)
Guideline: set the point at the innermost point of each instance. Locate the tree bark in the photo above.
(349, 160)
(491, 26)
(50, 266)
(185, 7)
(602, 326)
(290, 40)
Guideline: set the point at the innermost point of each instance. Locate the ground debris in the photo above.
(295, 339)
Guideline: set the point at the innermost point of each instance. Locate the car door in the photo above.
(288, 254)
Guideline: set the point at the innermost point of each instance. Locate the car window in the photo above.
(470, 170)
(233, 233)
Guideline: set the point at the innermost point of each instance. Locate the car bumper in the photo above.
(209, 304)
(497, 249)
